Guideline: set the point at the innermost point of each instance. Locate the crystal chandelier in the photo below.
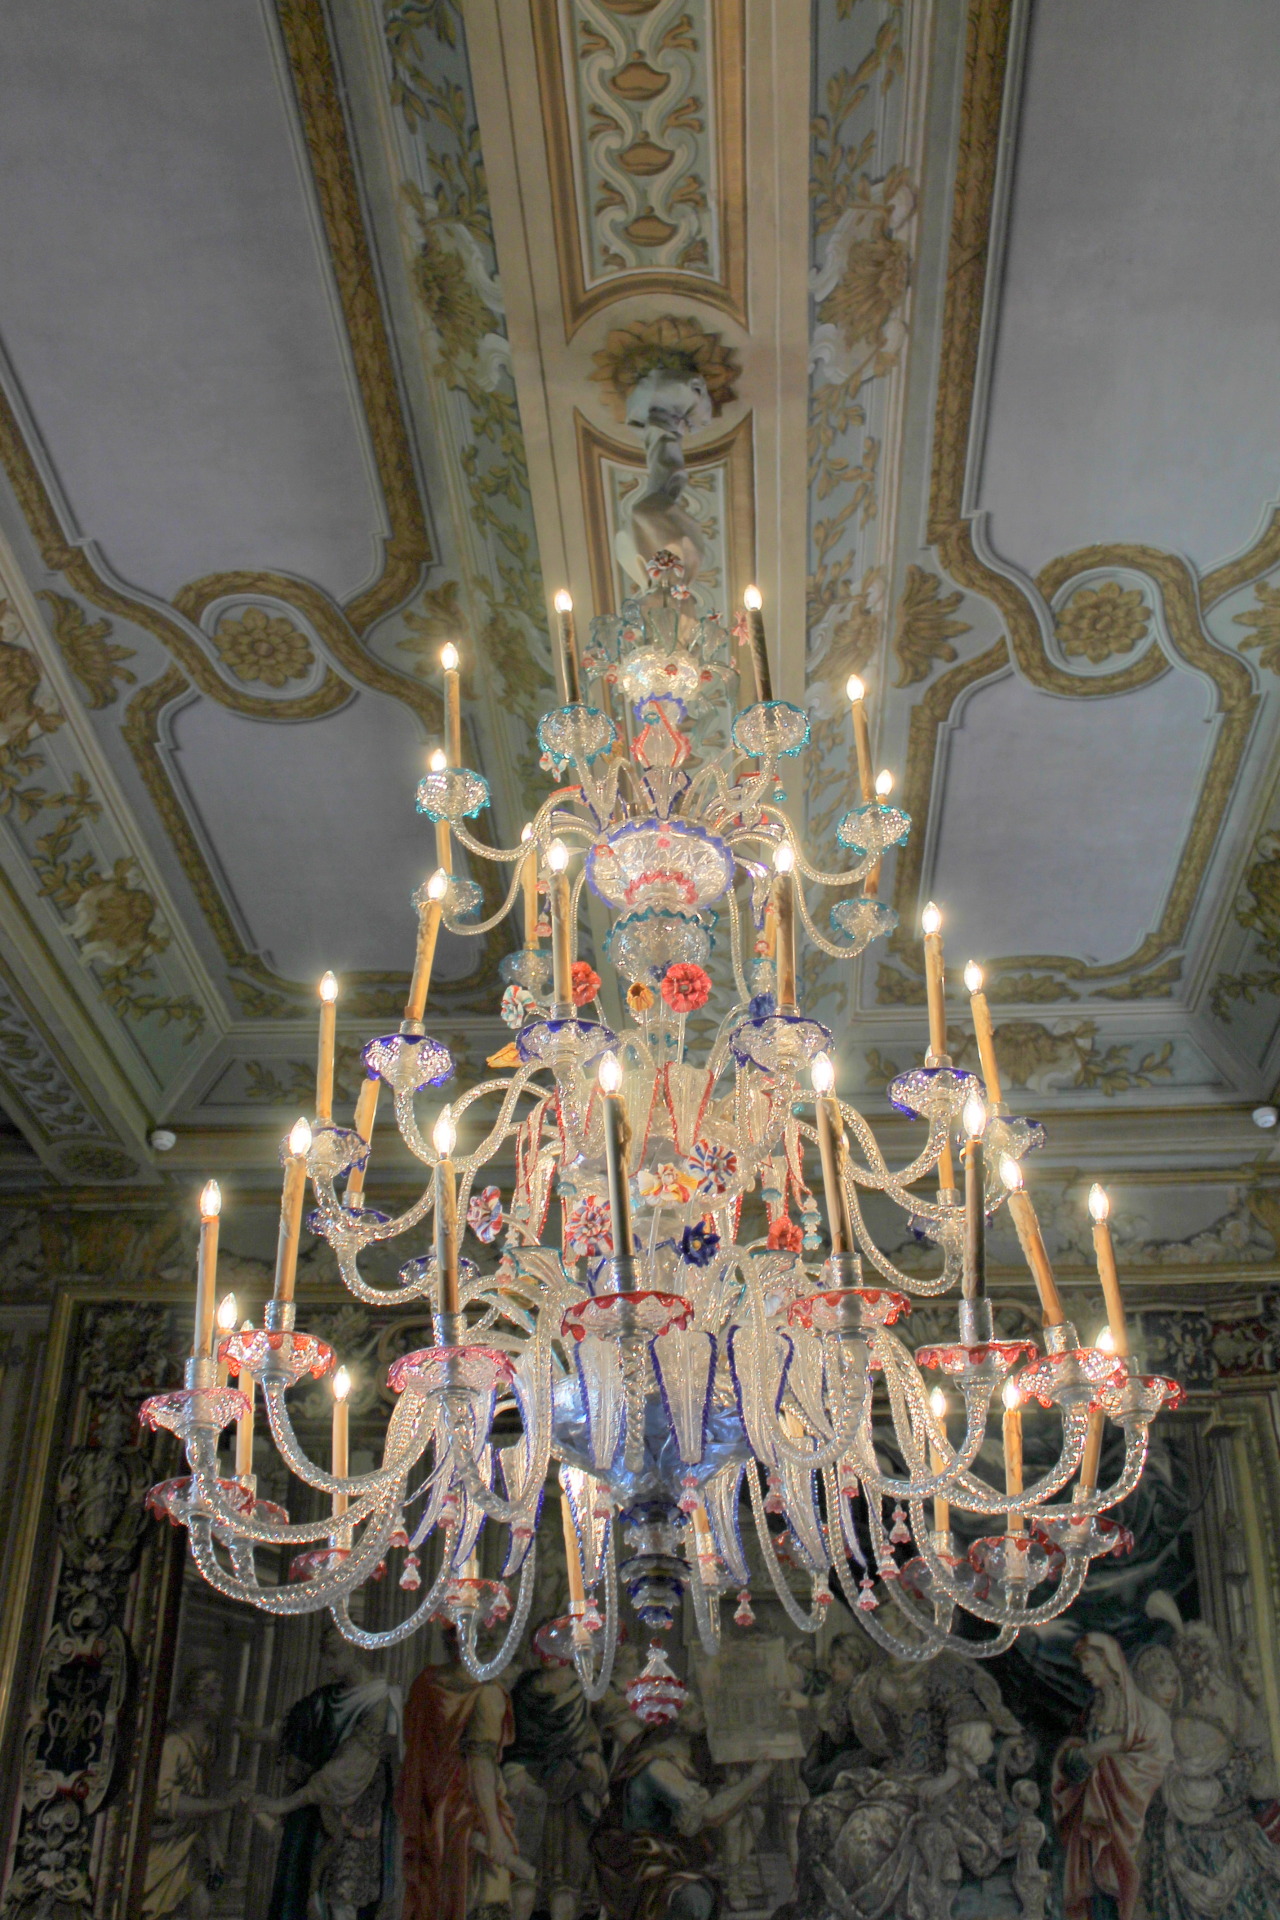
(683, 1368)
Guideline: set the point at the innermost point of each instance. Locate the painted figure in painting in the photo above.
(915, 1813)
(1212, 1833)
(460, 1855)
(185, 1859)
(1104, 1779)
(557, 1756)
(337, 1841)
(654, 1847)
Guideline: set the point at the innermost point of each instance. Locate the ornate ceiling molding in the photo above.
(644, 113)
(1025, 607)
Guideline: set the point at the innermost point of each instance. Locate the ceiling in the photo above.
(314, 335)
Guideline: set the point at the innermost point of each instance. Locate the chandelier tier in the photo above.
(684, 1368)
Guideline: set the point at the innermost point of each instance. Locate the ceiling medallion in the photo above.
(681, 1333)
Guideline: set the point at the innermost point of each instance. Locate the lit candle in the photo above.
(984, 1033)
(973, 1284)
(1030, 1239)
(561, 953)
(529, 886)
(884, 787)
(428, 933)
(452, 704)
(1013, 1451)
(341, 1466)
(244, 1425)
(831, 1151)
(226, 1326)
(292, 1195)
(784, 909)
(206, 1270)
(931, 926)
(1100, 1208)
(366, 1114)
(857, 693)
(568, 650)
(577, 1592)
(753, 601)
(444, 1136)
(937, 1462)
(327, 1047)
(438, 762)
(617, 1141)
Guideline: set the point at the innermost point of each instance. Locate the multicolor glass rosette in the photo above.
(643, 945)
(662, 863)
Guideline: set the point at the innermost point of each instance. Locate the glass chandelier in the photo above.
(683, 1372)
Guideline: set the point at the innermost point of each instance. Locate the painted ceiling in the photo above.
(317, 327)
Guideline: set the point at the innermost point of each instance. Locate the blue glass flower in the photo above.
(699, 1245)
(761, 1006)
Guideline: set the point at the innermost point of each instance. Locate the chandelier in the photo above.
(658, 1323)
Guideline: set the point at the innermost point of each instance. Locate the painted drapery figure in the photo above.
(337, 1854)
(1104, 1779)
(460, 1854)
(186, 1852)
(558, 1751)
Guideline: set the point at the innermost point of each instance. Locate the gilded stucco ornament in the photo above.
(1100, 622)
(667, 377)
(256, 645)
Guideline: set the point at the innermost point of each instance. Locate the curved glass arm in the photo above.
(486, 1669)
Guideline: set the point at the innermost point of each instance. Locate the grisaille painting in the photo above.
(185, 1755)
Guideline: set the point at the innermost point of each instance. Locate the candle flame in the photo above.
(449, 657)
(341, 1384)
(300, 1139)
(855, 688)
(822, 1073)
(211, 1201)
(938, 1404)
(975, 1116)
(931, 919)
(1106, 1341)
(557, 856)
(1099, 1205)
(884, 784)
(526, 833)
(439, 760)
(752, 599)
(328, 988)
(227, 1311)
(564, 601)
(1012, 1395)
(609, 1073)
(784, 857)
(444, 1134)
(1011, 1174)
(973, 977)
(438, 885)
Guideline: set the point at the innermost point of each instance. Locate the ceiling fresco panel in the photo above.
(1134, 367)
(166, 304)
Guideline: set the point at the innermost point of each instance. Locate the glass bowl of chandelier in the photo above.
(663, 1320)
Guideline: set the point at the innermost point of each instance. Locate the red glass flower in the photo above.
(586, 982)
(784, 1235)
(685, 986)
